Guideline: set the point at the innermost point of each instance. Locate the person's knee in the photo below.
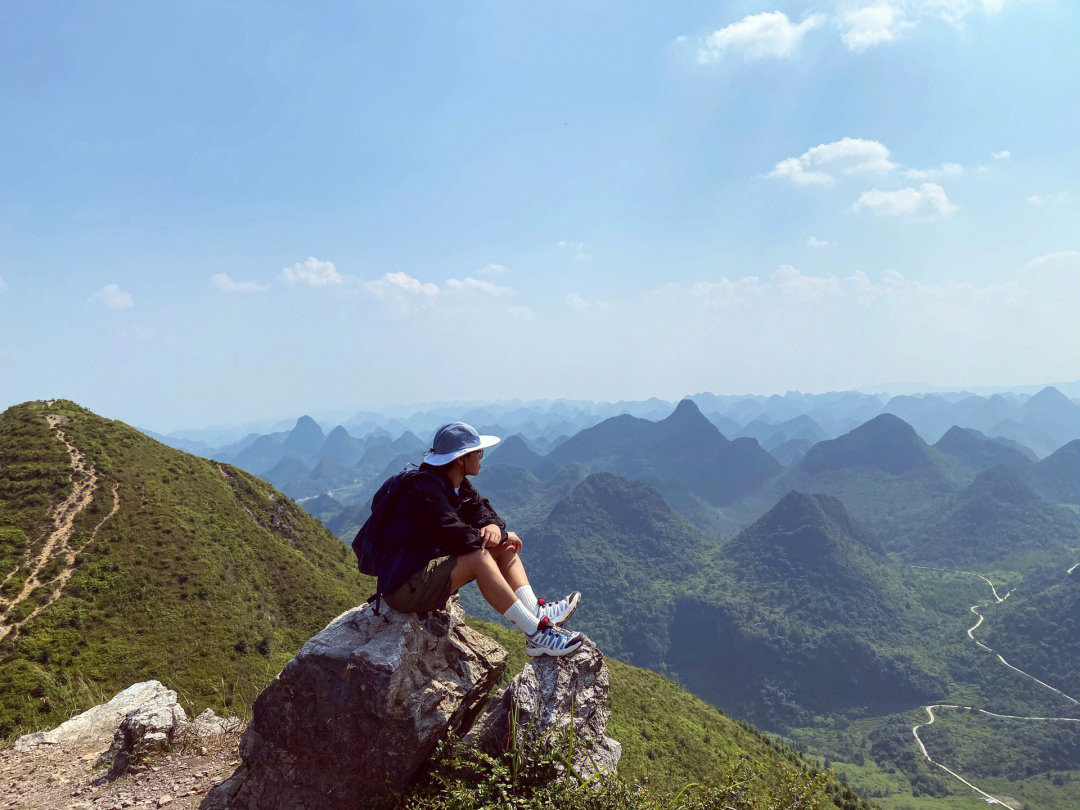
(504, 556)
(476, 559)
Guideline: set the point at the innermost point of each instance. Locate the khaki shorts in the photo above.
(427, 589)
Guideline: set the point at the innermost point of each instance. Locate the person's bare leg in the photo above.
(481, 566)
(510, 566)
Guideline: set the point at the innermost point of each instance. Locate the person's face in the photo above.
(472, 462)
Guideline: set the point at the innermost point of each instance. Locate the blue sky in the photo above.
(218, 212)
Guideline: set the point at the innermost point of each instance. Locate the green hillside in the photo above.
(671, 739)
(205, 578)
(997, 518)
(208, 579)
(683, 455)
(802, 614)
(1040, 625)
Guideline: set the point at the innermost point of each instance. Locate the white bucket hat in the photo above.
(455, 440)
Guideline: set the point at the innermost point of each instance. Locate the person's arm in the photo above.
(448, 531)
(477, 510)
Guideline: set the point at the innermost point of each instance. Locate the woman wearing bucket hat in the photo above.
(430, 532)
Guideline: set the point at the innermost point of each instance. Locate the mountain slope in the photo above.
(1039, 625)
(625, 549)
(513, 451)
(813, 621)
(681, 455)
(996, 517)
(304, 440)
(1058, 475)
(885, 444)
(978, 452)
(204, 577)
(884, 474)
(673, 738)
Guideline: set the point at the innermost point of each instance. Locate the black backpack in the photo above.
(367, 544)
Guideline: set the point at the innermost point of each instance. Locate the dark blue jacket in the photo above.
(428, 520)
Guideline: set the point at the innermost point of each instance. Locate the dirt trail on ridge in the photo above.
(84, 484)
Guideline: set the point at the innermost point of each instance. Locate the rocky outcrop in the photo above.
(96, 729)
(208, 724)
(549, 699)
(147, 730)
(360, 708)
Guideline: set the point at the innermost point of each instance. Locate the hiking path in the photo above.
(57, 545)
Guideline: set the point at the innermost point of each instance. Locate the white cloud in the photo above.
(576, 249)
(770, 333)
(872, 25)
(954, 11)
(114, 298)
(758, 36)
(813, 241)
(586, 306)
(819, 164)
(402, 294)
(312, 272)
(944, 170)
(492, 270)
(400, 284)
(905, 201)
(576, 302)
(1004, 154)
(866, 24)
(1058, 273)
(224, 283)
(774, 333)
(469, 286)
(1048, 199)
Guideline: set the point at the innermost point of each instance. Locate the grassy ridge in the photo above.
(206, 579)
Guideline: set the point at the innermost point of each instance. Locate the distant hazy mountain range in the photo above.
(719, 460)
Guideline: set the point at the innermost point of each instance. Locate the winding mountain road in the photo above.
(940, 706)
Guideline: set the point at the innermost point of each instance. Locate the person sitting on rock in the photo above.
(430, 532)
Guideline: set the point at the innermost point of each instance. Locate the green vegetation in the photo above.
(209, 580)
(998, 519)
(206, 579)
(465, 779)
(1040, 625)
(672, 739)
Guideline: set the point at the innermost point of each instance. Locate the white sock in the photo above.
(528, 598)
(519, 616)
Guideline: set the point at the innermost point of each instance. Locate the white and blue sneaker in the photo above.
(558, 613)
(551, 640)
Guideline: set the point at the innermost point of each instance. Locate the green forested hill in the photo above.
(207, 579)
(671, 739)
(1040, 625)
(997, 517)
(801, 613)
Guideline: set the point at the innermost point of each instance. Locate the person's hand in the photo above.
(491, 535)
(513, 541)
